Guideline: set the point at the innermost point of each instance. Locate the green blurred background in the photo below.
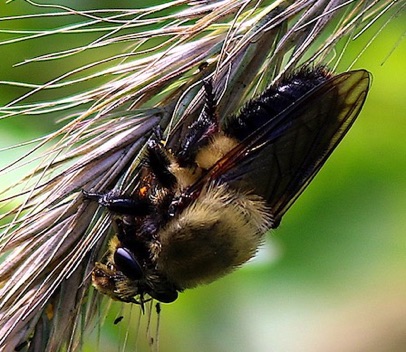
(331, 278)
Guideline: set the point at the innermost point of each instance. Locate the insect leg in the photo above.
(120, 204)
(202, 129)
(158, 161)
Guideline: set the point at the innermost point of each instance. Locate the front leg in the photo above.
(122, 205)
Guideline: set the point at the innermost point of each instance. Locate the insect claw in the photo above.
(92, 195)
(157, 133)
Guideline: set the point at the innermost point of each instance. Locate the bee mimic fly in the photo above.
(202, 207)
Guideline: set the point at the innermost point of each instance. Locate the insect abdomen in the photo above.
(273, 101)
(220, 231)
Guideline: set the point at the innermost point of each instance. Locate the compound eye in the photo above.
(127, 264)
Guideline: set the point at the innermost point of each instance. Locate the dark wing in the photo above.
(280, 159)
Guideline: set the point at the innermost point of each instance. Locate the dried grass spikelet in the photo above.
(53, 237)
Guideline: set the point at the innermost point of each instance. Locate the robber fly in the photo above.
(202, 207)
